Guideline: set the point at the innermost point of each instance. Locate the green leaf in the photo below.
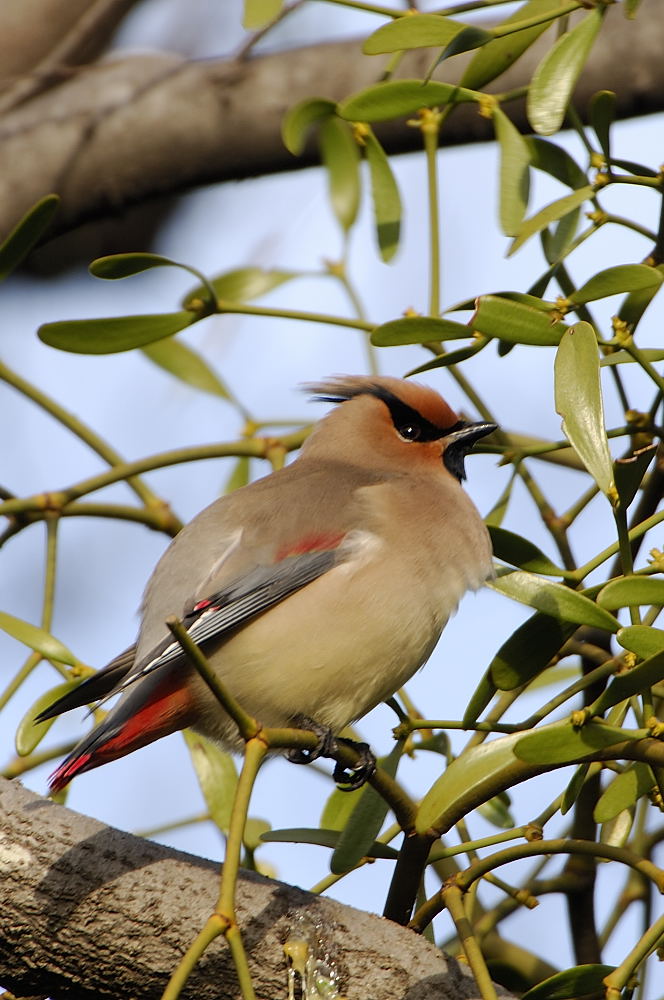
(616, 831)
(217, 776)
(529, 650)
(470, 37)
(563, 743)
(338, 808)
(500, 53)
(550, 213)
(624, 358)
(631, 591)
(579, 402)
(29, 733)
(631, 7)
(557, 240)
(474, 774)
(341, 159)
(638, 169)
(553, 599)
(386, 198)
(629, 472)
(602, 115)
(573, 790)
(26, 234)
(632, 682)
(242, 284)
(419, 31)
(122, 265)
(496, 515)
(258, 13)
(299, 119)
(365, 821)
(37, 638)
(644, 640)
(521, 552)
(480, 698)
(514, 173)
(555, 77)
(396, 98)
(254, 831)
(570, 984)
(622, 278)
(624, 791)
(555, 161)
(516, 323)
(496, 811)
(118, 333)
(323, 838)
(452, 357)
(635, 304)
(418, 330)
(180, 360)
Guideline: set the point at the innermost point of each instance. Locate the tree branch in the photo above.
(91, 912)
(137, 127)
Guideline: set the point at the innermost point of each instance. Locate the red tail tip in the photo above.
(67, 770)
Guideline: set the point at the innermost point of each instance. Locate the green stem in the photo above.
(254, 754)
(213, 928)
(430, 126)
(55, 500)
(616, 981)
(242, 309)
(619, 220)
(625, 549)
(52, 525)
(586, 848)
(21, 765)
(599, 673)
(502, 30)
(608, 553)
(247, 726)
(76, 426)
(370, 8)
(452, 897)
(437, 854)
(410, 725)
(178, 824)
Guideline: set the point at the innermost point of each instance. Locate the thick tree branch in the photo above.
(137, 127)
(90, 912)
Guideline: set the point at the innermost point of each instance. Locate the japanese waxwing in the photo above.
(315, 592)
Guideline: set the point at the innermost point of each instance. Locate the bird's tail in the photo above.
(159, 705)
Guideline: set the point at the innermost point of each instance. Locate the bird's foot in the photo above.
(346, 778)
(326, 746)
(349, 778)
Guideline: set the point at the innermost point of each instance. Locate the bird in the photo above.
(315, 592)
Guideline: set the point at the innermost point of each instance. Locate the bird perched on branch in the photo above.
(315, 592)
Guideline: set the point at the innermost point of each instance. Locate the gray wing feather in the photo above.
(237, 604)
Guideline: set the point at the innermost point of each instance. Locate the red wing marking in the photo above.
(320, 542)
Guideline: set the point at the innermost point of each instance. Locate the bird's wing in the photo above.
(100, 685)
(212, 618)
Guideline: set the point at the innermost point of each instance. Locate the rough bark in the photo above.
(91, 912)
(137, 127)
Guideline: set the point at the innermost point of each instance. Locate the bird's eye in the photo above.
(409, 432)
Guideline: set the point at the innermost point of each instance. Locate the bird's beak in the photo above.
(467, 435)
(459, 443)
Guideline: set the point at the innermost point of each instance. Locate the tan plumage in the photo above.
(373, 512)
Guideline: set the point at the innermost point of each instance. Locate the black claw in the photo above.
(349, 779)
(346, 778)
(325, 747)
